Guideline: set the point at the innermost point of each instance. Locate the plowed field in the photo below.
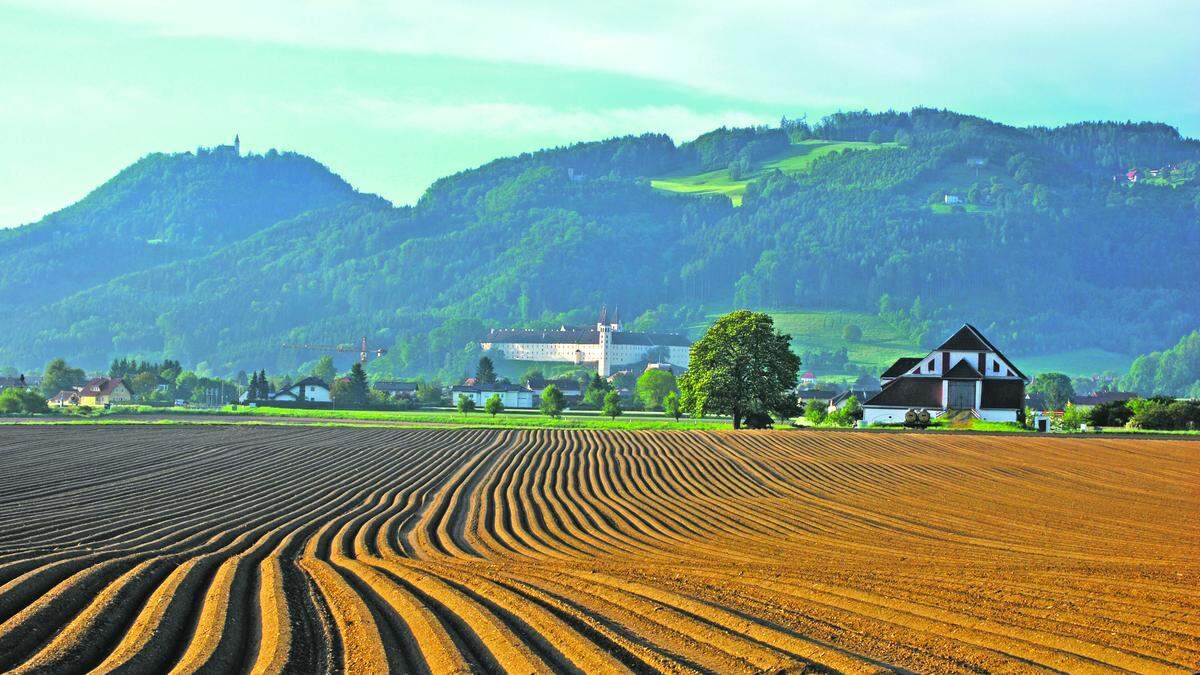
(156, 549)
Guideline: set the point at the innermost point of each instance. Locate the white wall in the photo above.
(510, 399)
(874, 415)
(571, 352)
(998, 415)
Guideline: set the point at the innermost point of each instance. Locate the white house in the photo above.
(513, 396)
(952, 199)
(309, 389)
(965, 373)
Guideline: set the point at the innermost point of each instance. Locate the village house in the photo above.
(102, 391)
(965, 376)
(396, 388)
(312, 389)
(568, 387)
(63, 399)
(513, 396)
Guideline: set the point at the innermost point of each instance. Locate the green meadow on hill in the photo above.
(796, 159)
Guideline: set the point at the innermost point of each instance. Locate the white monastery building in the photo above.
(607, 345)
(965, 373)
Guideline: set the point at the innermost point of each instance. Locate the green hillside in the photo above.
(215, 258)
(798, 158)
(880, 346)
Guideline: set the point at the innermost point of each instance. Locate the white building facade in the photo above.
(309, 389)
(606, 346)
(512, 396)
(965, 373)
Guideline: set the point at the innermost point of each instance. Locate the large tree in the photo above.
(741, 366)
(612, 404)
(1055, 389)
(60, 376)
(653, 386)
(553, 402)
(325, 371)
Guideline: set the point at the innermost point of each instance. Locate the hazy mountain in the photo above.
(216, 258)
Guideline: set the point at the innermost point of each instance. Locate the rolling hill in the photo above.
(215, 259)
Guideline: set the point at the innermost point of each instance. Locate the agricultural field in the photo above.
(245, 548)
(796, 159)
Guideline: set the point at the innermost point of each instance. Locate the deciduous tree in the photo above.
(553, 402)
(325, 370)
(59, 376)
(1055, 388)
(493, 405)
(612, 404)
(465, 404)
(671, 406)
(653, 386)
(741, 365)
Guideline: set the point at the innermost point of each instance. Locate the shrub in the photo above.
(851, 333)
(1164, 414)
(22, 401)
(493, 405)
(814, 411)
(1111, 414)
(1073, 415)
(465, 404)
(759, 420)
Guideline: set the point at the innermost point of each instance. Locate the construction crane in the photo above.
(363, 350)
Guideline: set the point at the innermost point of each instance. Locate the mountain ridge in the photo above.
(545, 237)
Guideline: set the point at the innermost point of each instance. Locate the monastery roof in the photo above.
(583, 336)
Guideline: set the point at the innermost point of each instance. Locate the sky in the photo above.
(392, 95)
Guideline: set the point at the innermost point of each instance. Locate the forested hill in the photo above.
(161, 209)
(1052, 246)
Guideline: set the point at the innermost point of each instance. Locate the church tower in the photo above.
(237, 145)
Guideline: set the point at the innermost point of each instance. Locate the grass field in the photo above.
(300, 549)
(513, 419)
(946, 209)
(797, 159)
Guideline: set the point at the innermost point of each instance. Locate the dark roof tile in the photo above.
(963, 371)
(901, 366)
(909, 392)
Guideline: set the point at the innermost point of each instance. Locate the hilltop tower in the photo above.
(237, 145)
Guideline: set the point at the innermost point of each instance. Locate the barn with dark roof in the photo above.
(965, 375)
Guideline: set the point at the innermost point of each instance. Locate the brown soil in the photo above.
(244, 548)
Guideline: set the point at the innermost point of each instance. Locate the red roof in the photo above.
(101, 386)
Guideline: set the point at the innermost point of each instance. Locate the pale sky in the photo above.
(392, 95)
